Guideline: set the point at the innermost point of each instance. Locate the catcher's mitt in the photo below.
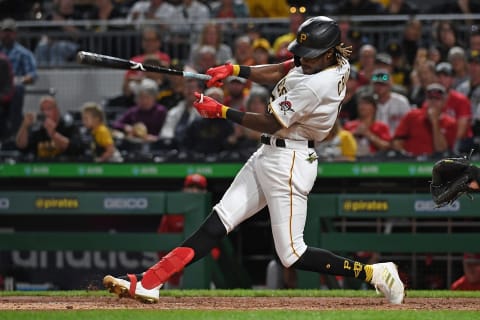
(451, 178)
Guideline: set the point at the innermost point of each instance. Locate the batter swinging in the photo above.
(280, 174)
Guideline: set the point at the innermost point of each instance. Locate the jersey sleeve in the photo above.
(294, 105)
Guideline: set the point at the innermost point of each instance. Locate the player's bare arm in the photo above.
(270, 73)
(267, 74)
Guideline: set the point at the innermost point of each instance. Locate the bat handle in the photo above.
(197, 76)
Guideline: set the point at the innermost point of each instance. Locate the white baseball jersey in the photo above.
(392, 111)
(282, 177)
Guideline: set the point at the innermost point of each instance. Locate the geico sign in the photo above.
(4, 203)
(125, 203)
(429, 205)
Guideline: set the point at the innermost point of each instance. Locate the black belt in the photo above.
(281, 142)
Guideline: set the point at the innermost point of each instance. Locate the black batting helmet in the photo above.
(315, 36)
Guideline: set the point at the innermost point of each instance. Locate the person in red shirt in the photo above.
(471, 277)
(371, 135)
(457, 106)
(429, 130)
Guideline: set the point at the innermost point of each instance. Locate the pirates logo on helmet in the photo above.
(315, 36)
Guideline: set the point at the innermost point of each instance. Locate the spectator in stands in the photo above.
(445, 37)
(412, 40)
(471, 88)
(455, 7)
(103, 146)
(422, 75)
(145, 119)
(370, 134)
(24, 70)
(351, 35)
(366, 63)
(229, 9)
(474, 38)
(243, 138)
(151, 46)
(180, 116)
(384, 61)
(391, 106)
(401, 7)
(339, 145)
(190, 13)
(458, 59)
(457, 106)
(268, 8)
(280, 44)
(236, 92)
(106, 11)
(208, 136)
(49, 135)
(427, 131)
(6, 94)
(358, 7)
(470, 280)
(243, 51)
(58, 44)
(172, 90)
(400, 69)
(212, 36)
(143, 10)
(205, 58)
(261, 51)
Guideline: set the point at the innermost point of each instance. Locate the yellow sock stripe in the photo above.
(236, 69)
(224, 112)
(368, 272)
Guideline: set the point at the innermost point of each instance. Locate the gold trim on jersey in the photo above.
(291, 205)
(272, 111)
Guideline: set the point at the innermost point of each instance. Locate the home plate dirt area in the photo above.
(235, 303)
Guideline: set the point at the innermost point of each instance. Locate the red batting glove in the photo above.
(218, 74)
(208, 107)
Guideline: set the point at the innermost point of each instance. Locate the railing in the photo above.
(122, 39)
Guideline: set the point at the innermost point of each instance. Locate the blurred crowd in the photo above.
(415, 96)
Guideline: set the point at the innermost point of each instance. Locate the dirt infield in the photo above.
(236, 303)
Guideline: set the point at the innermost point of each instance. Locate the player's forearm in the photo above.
(21, 140)
(269, 73)
(255, 121)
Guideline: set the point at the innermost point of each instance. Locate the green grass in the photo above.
(149, 314)
(220, 315)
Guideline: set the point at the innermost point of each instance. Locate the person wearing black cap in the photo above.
(457, 106)
(24, 70)
(427, 131)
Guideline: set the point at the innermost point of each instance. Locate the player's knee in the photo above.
(213, 226)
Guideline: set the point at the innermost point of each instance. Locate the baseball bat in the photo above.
(95, 59)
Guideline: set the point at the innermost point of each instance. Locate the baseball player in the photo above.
(280, 174)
